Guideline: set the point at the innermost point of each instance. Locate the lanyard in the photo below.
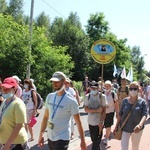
(55, 108)
(4, 108)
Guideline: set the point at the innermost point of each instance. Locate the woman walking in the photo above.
(13, 135)
(30, 99)
(135, 124)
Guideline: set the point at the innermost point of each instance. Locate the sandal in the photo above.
(31, 139)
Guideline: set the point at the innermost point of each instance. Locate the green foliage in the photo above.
(97, 27)
(3, 6)
(61, 45)
(45, 59)
(15, 9)
(13, 47)
(78, 86)
(69, 33)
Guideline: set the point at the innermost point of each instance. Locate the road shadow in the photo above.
(86, 133)
(147, 121)
(35, 147)
(103, 147)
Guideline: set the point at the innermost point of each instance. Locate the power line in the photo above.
(54, 9)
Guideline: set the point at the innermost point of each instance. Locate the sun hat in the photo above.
(57, 76)
(9, 83)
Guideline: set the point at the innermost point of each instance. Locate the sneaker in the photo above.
(105, 141)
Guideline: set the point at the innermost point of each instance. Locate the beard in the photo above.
(60, 88)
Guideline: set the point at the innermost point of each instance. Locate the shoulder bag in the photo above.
(118, 133)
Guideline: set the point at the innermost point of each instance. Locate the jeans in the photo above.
(58, 145)
(95, 137)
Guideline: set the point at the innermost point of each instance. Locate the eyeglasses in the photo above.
(131, 89)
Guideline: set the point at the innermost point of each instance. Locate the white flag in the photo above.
(123, 74)
(115, 70)
(130, 75)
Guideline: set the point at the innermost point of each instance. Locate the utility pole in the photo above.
(30, 38)
(141, 64)
(141, 67)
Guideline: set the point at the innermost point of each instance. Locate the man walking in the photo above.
(95, 105)
(60, 106)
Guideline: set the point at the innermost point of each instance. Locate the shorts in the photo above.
(109, 120)
(29, 114)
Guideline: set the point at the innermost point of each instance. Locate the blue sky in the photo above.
(127, 18)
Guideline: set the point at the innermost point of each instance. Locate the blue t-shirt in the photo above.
(138, 112)
(62, 115)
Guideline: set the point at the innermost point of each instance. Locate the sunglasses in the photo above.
(131, 89)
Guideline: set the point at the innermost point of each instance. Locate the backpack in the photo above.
(113, 96)
(112, 93)
(39, 100)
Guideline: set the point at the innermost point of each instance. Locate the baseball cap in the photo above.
(17, 78)
(57, 76)
(108, 82)
(94, 84)
(9, 83)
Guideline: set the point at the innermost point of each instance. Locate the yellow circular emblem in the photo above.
(103, 51)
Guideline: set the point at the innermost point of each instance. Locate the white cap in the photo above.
(16, 78)
(107, 82)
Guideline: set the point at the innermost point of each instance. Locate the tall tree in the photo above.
(13, 47)
(97, 29)
(43, 20)
(45, 58)
(69, 33)
(15, 9)
(3, 6)
(138, 62)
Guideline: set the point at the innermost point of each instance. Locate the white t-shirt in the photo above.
(110, 107)
(71, 91)
(26, 97)
(148, 91)
(94, 102)
(61, 118)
